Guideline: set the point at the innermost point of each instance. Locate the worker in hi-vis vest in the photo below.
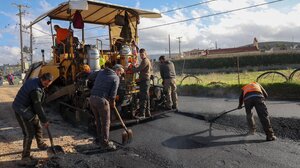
(254, 95)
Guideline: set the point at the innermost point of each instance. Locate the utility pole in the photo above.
(31, 49)
(21, 31)
(169, 47)
(179, 45)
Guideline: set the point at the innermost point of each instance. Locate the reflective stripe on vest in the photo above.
(252, 87)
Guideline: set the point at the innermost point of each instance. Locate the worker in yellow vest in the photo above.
(254, 95)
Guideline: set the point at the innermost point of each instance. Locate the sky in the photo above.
(273, 22)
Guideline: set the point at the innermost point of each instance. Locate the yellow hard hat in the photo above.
(86, 68)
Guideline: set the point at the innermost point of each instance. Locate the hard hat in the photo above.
(86, 68)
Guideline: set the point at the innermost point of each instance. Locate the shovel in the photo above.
(52, 150)
(221, 114)
(127, 134)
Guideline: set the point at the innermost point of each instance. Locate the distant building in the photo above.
(197, 52)
(14, 69)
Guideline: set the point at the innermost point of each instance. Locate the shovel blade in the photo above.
(55, 150)
(127, 136)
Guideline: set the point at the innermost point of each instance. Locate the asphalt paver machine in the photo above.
(71, 86)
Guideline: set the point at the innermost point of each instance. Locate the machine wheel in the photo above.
(295, 75)
(191, 78)
(272, 77)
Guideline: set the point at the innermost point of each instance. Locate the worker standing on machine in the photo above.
(144, 69)
(102, 100)
(253, 95)
(61, 40)
(168, 74)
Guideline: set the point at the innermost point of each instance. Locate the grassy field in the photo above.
(228, 85)
(232, 78)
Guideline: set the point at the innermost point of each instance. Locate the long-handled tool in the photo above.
(215, 118)
(221, 114)
(127, 134)
(53, 149)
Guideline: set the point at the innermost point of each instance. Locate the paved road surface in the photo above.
(188, 142)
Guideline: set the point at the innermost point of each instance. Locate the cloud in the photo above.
(9, 55)
(229, 30)
(45, 6)
(267, 23)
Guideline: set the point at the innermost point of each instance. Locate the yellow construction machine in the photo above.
(69, 88)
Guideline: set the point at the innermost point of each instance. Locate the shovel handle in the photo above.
(50, 137)
(220, 115)
(120, 118)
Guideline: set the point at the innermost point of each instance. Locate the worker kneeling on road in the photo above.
(30, 113)
(102, 100)
(253, 95)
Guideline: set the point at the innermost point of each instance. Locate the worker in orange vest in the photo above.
(254, 95)
(62, 36)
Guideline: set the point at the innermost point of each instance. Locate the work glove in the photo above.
(112, 104)
(46, 124)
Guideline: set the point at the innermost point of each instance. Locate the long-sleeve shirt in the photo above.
(106, 84)
(144, 68)
(167, 70)
(28, 101)
(62, 34)
(37, 97)
(252, 94)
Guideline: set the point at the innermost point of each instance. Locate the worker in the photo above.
(168, 74)
(145, 69)
(1, 80)
(102, 100)
(62, 36)
(10, 79)
(83, 75)
(253, 95)
(30, 114)
(102, 62)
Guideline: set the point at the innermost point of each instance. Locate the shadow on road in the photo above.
(195, 140)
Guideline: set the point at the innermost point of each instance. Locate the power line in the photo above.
(41, 31)
(215, 14)
(200, 3)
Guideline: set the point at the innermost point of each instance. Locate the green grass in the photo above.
(227, 85)
(232, 78)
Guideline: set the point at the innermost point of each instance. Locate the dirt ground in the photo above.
(76, 143)
(11, 133)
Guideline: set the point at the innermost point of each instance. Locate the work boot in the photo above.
(168, 108)
(251, 132)
(175, 108)
(140, 116)
(271, 138)
(148, 114)
(28, 161)
(43, 146)
(108, 146)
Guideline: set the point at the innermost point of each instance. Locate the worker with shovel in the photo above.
(102, 101)
(30, 113)
(253, 95)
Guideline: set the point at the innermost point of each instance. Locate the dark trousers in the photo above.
(144, 97)
(101, 110)
(30, 129)
(262, 112)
